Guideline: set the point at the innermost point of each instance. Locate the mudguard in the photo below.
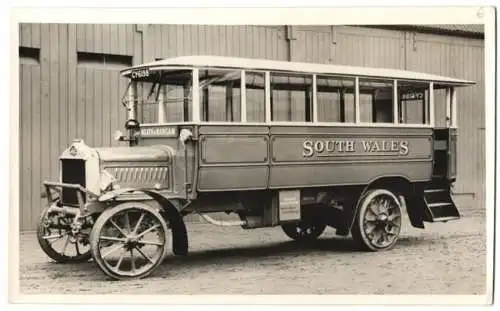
(349, 212)
(351, 207)
(179, 232)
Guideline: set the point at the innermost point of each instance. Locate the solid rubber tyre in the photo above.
(380, 219)
(49, 250)
(304, 231)
(103, 219)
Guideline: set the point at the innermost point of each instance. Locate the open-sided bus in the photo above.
(297, 145)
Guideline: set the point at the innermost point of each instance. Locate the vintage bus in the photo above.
(298, 145)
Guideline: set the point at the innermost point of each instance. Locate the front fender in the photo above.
(110, 195)
(169, 212)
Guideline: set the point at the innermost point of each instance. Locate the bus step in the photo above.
(434, 190)
(445, 219)
(440, 205)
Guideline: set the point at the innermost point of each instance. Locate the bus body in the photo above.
(297, 145)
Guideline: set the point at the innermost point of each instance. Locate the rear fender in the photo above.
(396, 184)
(169, 212)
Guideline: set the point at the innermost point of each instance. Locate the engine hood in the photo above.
(143, 166)
(148, 167)
(135, 154)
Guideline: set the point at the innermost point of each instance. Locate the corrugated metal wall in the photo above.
(63, 98)
(71, 88)
(163, 41)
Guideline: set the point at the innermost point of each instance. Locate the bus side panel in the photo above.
(233, 157)
(323, 156)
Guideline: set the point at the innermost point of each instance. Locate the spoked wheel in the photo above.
(129, 240)
(59, 241)
(304, 231)
(378, 221)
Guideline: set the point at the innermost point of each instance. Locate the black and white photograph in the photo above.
(342, 157)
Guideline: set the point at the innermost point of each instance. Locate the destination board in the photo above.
(163, 131)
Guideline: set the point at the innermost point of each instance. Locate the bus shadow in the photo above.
(282, 249)
(264, 254)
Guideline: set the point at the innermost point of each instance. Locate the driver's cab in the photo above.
(159, 96)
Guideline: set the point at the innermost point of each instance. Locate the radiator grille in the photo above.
(73, 172)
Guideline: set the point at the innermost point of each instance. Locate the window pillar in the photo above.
(357, 115)
(448, 107)
(196, 95)
(268, 96)
(431, 104)
(243, 92)
(314, 99)
(454, 115)
(162, 101)
(395, 102)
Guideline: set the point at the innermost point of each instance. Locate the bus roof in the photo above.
(301, 67)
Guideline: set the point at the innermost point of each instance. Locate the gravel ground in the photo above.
(445, 258)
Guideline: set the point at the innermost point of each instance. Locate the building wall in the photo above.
(70, 87)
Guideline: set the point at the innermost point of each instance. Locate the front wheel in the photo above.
(377, 223)
(59, 241)
(129, 241)
(304, 231)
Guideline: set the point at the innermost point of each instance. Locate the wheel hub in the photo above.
(131, 242)
(382, 218)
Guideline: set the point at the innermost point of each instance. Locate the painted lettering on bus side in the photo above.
(325, 148)
(401, 147)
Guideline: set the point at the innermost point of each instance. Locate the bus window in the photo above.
(335, 99)
(255, 96)
(413, 102)
(173, 97)
(291, 97)
(147, 108)
(376, 101)
(220, 95)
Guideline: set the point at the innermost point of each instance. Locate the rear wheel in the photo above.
(377, 223)
(304, 231)
(129, 240)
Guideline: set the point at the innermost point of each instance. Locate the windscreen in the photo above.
(163, 96)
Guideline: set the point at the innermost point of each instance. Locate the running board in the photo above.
(439, 204)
